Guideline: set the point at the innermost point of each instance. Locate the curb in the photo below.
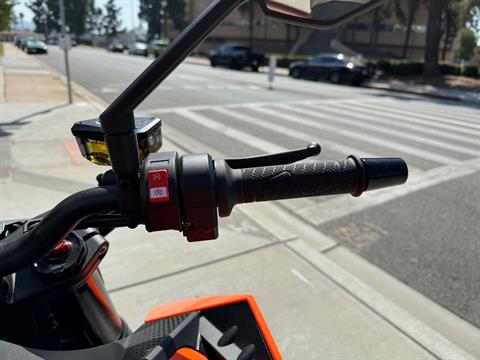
(2, 85)
(413, 92)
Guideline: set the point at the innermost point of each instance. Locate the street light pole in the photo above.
(65, 51)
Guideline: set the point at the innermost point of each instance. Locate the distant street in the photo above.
(425, 233)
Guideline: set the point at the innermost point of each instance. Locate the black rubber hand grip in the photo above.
(304, 179)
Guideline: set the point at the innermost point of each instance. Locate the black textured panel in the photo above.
(310, 178)
(150, 335)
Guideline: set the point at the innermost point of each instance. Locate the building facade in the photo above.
(360, 36)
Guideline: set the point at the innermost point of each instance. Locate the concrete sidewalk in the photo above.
(320, 300)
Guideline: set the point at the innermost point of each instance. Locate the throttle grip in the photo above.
(304, 179)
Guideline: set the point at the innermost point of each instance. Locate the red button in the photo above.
(158, 186)
(62, 246)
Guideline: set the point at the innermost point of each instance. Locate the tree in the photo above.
(249, 8)
(94, 21)
(468, 42)
(434, 24)
(42, 16)
(155, 13)
(47, 13)
(21, 16)
(407, 18)
(76, 16)
(6, 13)
(380, 14)
(451, 22)
(111, 21)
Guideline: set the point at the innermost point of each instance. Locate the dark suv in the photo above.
(236, 57)
(336, 68)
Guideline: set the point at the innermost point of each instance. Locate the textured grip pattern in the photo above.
(311, 178)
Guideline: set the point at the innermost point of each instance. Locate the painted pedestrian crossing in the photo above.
(449, 146)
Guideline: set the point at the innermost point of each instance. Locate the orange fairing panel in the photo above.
(187, 354)
(187, 306)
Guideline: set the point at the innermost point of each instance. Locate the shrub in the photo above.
(450, 69)
(415, 68)
(472, 71)
(406, 68)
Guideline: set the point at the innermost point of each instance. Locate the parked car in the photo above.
(18, 39)
(336, 68)
(138, 48)
(156, 47)
(23, 42)
(116, 46)
(36, 47)
(53, 40)
(236, 57)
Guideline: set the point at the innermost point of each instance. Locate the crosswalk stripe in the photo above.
(365, 114)
(172, 109)
(326, 211)
(215, 87)
(413, 119)
(286, 131)
(414, 151)
(238, 135)
(433, 118)
(460, 112)
(388, 131)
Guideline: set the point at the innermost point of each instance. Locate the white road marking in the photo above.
(364, 114)
(344, 116)
(238, 135)
(326, 211)
(235, 87)
(302, 278)
(455, 112)
(356, 135)
(413, 119)
(192, 87)
(247, 104)
(215, 87)
(109, 90)
(190, 77)
(415, 329)
(434, 118)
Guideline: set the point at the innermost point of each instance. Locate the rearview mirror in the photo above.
(316, 13)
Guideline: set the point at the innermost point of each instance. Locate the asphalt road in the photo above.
(425, 233)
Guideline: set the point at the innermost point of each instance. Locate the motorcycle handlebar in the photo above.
(204, 185)
(305, 179)
(30, 242)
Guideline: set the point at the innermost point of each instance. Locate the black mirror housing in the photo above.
(321, 14)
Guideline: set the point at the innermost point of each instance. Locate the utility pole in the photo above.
(66, 44)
